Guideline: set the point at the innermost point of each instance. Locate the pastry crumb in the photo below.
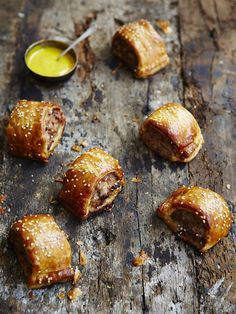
(228, 186)
(2, 210)
(95, 118)
(136, 120)
(76, 148)
(139, 260)
(83, 144)
(136, 179)
(77, 276)
(52, 200)
(60, 180)
(79, 243)
(61, 295)
(82, 258)
(2, 200)
(164, 25)
(74, 293)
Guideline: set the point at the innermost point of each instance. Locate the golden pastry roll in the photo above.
(172, 132)
(42, 249)
(35, 129)
(141, 48)
(197, 215)
(91, 183)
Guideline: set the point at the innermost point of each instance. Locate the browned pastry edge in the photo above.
(141, 48)
(205, 206)
(51, 278)
(26, 133)
(82, 178)
(172, 132)
(20, 238)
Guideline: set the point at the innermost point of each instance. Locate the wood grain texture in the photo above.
(176, 279)
(207, 29)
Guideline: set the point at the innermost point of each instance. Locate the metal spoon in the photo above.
(86, 34)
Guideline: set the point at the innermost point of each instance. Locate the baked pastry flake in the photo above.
(91, 183)
(198, 216)
(42, 249)
(35, 129)
(141, 48)
(172, 132)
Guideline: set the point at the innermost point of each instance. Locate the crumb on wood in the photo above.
(228, 186)
(2, 200)
(136, 120)
(164, 25)
(82, 258)
(139, 260)
(77, 276)
(79, 243)
(2, 210)
(58, 179)
(61, 295)
(52, 200)
(95, 118)
(83, 144)
(74, 293)
(136, 179)
(76, 148)
(113, 72)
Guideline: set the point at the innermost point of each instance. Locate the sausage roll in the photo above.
(141, 48)
(35, 128)
(198, 216)
(92, 183)
(42, 250)
(172, 132)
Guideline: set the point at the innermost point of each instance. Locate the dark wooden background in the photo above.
(202, 76)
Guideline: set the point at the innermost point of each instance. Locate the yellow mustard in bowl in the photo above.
(41, 58)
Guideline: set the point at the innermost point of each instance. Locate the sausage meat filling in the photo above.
(190, 227)
(105, 192)
(54, 125)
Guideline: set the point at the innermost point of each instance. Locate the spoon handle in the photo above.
(86, 34)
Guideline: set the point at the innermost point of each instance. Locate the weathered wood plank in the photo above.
(107, 238)
(207, 29)
(169, 277)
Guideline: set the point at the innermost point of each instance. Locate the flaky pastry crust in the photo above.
(42, 249)
(35, 129)
(172, 132)
(141, 48)
(92, 183)
(198, 215)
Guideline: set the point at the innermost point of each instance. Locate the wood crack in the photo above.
(140, 243)
(184, 92)
(212, 31)
(146, 107)
(204, 91)
(182, 74)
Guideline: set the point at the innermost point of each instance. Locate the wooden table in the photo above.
(202, 76)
